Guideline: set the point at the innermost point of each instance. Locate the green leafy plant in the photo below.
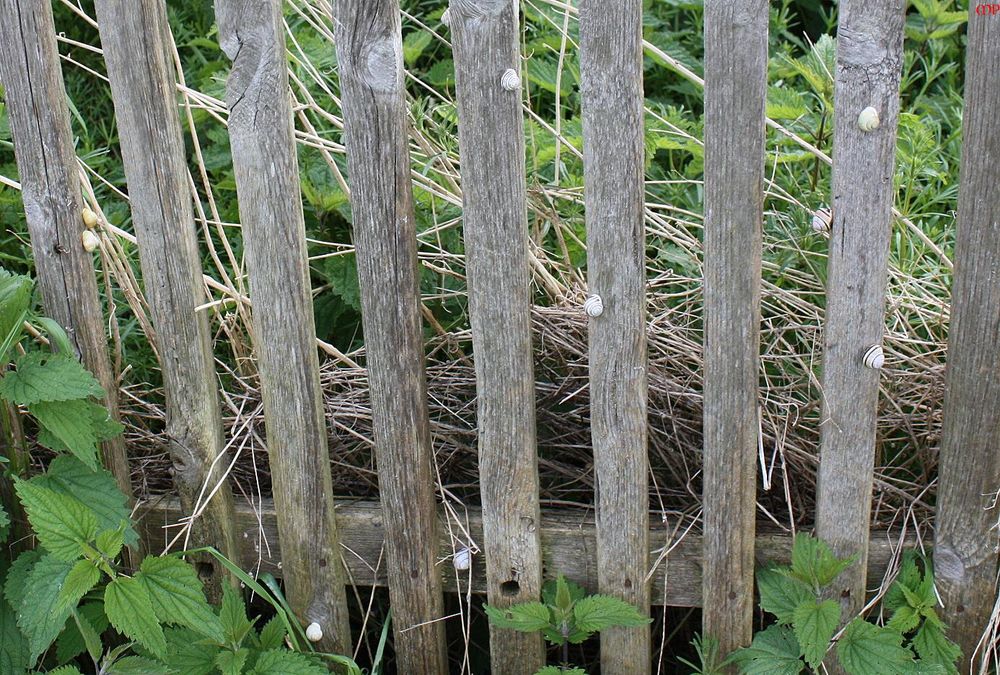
(566, 615)
(73, 591)
(912, 640)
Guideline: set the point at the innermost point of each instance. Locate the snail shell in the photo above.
(314, 633)
(868, 119)
(594, 306)
(90, 241)
(89, 218)
(510, 80)
(874, 357)
(821, 220)
(463, 559)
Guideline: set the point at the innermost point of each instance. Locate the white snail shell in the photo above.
(874, 357)
(89, 218)
(463, 559)
(821, 220)
(510, 80)
(594, 306)
(314, 633)
(90, 241)
(868, 119)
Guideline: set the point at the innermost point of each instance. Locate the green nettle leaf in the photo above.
(814, 625)
(15, 300)
(814, 563)
(272, 635)
(233, 615)
(904, 620)
(48, 377)
(130, 610)
(598, 612)
(4, 524)
(62, 524)
(66, 670)
(556, 670)
(284, 662)
(526, 617)
(71, 424)
(177, 596)
(864, 649)
(564, 600)
(231, 663)
(16, 584)
(189, 655)
(82, 632)
(39, 615)
(81, 578)
(110, 542)
(551, 589)
(774, 651)
(15, 654)
(136, 665)
(933, 646)
(97, 489)
(781, 594)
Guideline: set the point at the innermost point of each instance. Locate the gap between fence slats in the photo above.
(735, 99)
(274, 237)
(50, 188)
(613, 153)
(134, 37)
(869, 59)
(486, 35)
(369, 45)
(965, 558)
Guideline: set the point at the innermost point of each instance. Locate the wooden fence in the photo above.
(519, 540)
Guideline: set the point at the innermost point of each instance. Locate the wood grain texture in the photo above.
(869, 57)
(485, 40)
(274, 237)
(735, 98)
(50, 188)
(614, 190)
(965, 558)
(369, 53)
(568, 545)
(134, 36)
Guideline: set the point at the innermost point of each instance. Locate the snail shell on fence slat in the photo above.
(594, 306)
(314, 632)
(868, 119)
(510, 80)
(874, 357)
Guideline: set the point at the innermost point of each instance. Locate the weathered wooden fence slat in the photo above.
(50, 188)
(869, 59)
(485, 40)
(735, 99)
(134, 36)
(965, 554)
(614, 191)
(274, 236)
(373, 98)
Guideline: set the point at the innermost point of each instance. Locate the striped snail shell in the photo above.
(463, 559)
(821, 220)
(510, 80)
(594, 306)
(868, 119)
(874, 357)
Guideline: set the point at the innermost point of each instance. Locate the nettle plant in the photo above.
(72, 597)
(566, 615)
(912, 639)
